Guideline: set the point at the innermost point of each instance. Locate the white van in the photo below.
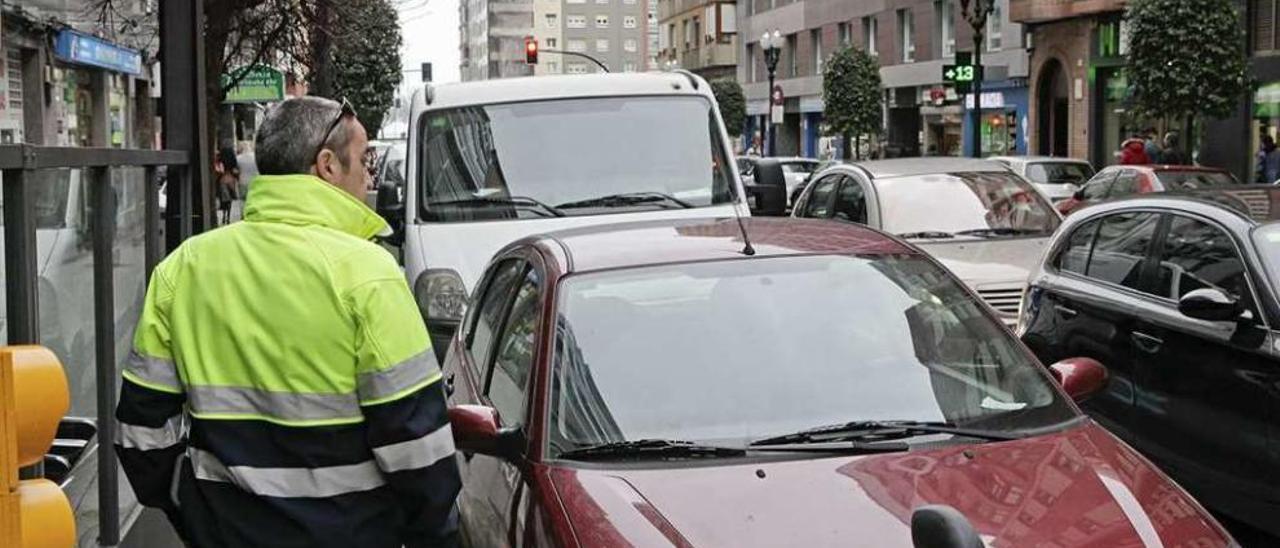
(491, 162)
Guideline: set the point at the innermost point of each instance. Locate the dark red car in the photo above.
(1117, 181)
(658, 384)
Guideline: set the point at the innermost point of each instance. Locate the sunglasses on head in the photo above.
(345, 110)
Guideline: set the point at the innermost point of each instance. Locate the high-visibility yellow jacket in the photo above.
(282, 390)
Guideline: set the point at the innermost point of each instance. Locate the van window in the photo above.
(572, 157)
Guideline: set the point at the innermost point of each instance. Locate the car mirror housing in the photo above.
(1081, 378)
(1078, 195)
(941, 526)
(475, 430)
(1210, 304)
(768, 191)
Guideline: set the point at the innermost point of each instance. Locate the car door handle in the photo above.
(1066, 312)
(448, 384)
(1145, 342)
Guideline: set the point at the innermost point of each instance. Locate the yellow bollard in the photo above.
(33, 399)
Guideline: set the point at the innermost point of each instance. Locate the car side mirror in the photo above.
(1210, 304)
(390, 207)
(1081, 378)
(941, 526)
(475, 430)
(767, 193)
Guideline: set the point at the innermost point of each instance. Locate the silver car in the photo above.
(983, 222)
(1057, 178)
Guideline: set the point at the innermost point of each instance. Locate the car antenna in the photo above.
(746, 248)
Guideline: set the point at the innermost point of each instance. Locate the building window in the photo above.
(846, 34)
(753, 66)
(552, 67)
(576, 21)
(629, 2)
(629, 66)
(552, 43)
(577, 46)
(575, 1)
(906, 35)
(602, 45)
(630, 45)
(602, 1)
(629, 22)
(1264, 24)
(995, 24)
(946, 27)
(793, 67)
(684, 30)
(602, 21)
(815, 40)
(576, 68)
(552, 21)
(870, 27)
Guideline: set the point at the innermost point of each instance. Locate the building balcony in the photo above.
(707, 56)
(1038, 11)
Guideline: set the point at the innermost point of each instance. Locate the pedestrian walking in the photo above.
(227, 185)
(1268, 168)
(282, 390)
(1134, 151)
(1172, 152)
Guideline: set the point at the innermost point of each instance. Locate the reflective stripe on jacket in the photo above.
(282, 390)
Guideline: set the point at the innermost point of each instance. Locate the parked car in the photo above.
(490, 162)
(1118, 181)
(797, 171)
(1057, 178)
(1177, 294)
(983, 222)
(817, 393)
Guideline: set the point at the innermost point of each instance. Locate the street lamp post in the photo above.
(771, 45)
(975, 12)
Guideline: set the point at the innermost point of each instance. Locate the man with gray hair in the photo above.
(282, 390)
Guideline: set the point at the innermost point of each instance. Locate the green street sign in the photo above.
(260, 84)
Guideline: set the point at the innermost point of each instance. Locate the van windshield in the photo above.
(572, 157)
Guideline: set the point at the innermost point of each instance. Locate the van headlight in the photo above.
(441, 295)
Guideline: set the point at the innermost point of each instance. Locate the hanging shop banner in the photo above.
(259, 84)
(80, 48)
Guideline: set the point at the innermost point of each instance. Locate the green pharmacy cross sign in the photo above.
(962, 74)
(260, 84)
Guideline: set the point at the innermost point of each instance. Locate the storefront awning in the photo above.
(1267, 101)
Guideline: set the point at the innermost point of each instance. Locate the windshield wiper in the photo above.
(1000, 231)
(544, 209)
(871, 431)
(627, 199)
(651, 448)
(927, 234)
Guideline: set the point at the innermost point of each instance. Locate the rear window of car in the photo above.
(798, 167)
(1059, 173)
(1192, 180)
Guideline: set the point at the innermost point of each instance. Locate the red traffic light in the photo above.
(531, 50)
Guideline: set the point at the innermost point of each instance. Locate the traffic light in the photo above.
(33, 399)
(531, 50)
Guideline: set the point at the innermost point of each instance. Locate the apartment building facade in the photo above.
(700, 36)
(913, 39)
(618, 33)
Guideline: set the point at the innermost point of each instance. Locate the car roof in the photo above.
(1168, 167)
(537, 88)
(647, 243)
(901, 167)
(1252, 204)
(1029, 159)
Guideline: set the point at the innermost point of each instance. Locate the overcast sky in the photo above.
(430, 30)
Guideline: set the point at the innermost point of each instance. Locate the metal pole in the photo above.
(151, 222)
(103, 222)
(773, 145)
(185, 122)
(976, 130)
(20, 274)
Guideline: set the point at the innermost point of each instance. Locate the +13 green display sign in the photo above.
(962, 74)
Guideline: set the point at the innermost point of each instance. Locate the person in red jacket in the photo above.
(1134, 151)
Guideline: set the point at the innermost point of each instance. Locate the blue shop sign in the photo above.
(84, 49)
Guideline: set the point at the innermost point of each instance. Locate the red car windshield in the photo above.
(729, 351)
